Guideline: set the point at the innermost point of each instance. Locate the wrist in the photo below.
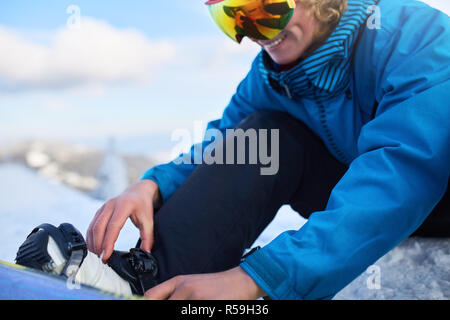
(153, 189)
(254, 290)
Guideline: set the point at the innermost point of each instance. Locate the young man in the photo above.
(362, 115)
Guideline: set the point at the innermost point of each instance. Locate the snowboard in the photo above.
(22, 283)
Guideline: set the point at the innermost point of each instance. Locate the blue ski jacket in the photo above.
(383, 108)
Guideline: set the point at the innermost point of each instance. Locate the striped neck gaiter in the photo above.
(325, 73)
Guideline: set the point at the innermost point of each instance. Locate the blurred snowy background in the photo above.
(90, 95)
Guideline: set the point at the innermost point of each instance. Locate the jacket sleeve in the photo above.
(170, 176)
(401, 173)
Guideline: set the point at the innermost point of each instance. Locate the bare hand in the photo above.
(136, 202)
(234, 284)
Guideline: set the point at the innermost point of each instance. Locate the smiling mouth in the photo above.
(274, 42)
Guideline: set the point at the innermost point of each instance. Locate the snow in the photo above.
(27, 200)
(416, 269)
(419, 268)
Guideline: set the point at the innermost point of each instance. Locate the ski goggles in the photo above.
(257, 19)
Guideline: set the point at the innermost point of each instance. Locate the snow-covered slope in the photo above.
(416, 269)
(27, 200)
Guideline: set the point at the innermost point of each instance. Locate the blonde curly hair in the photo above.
(327, 12)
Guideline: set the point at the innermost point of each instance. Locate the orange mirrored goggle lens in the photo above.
(257, 19)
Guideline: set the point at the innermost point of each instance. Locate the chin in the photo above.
(283, 59)
(288, 54)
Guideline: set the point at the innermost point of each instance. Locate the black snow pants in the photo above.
(221, 209)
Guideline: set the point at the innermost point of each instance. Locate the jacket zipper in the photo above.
(332, 143)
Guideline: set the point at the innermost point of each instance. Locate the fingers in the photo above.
(163, 291)
(146, 233)
(90, 239)
(89, 233)
(182, 293)
(115, 223)
(111, 217)
(100, 225)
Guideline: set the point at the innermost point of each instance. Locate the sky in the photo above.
(84, 69)
(126, 68)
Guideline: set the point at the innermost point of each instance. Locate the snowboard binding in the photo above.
(62, 250)
(40, 249)
(137, 266)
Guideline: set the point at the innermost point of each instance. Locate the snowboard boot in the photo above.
(62, 251)
(138, 267)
